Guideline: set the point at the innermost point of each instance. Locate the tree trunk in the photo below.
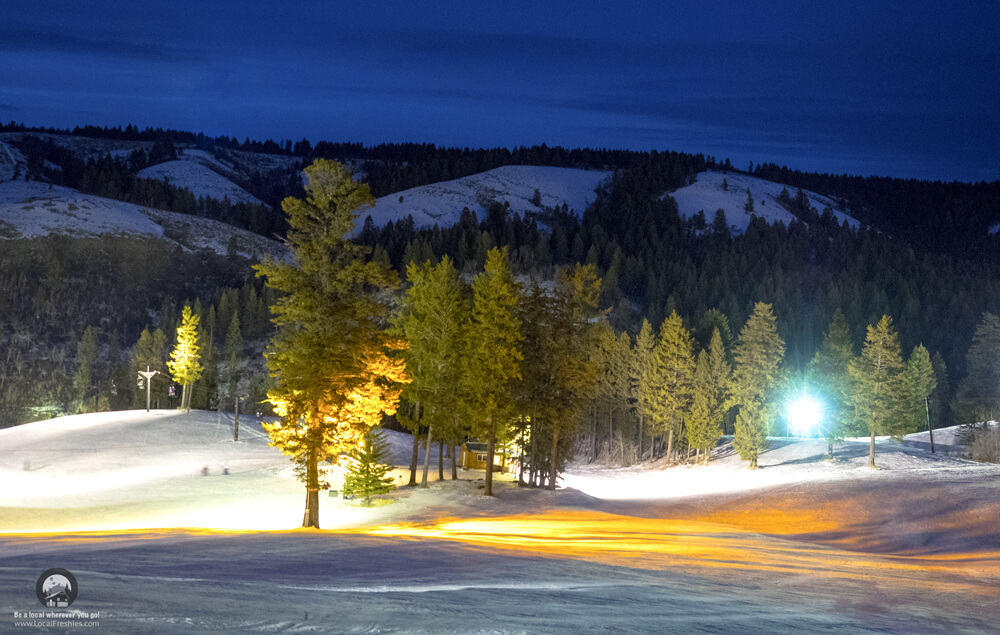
(829, 448)
(310, 518)
(670, 446)
(753, 462)
(552, 457)
(490, 443)
(440, 460)
(427, 457)
(640, 439)
(413, 462)
(454, 467)
(871, 452)
(593, 449)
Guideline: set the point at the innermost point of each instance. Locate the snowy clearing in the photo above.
(442, 203)
(801, 544)
(707, 194)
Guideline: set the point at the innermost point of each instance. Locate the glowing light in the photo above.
(804, 415)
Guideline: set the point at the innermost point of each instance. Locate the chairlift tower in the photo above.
(148, 374)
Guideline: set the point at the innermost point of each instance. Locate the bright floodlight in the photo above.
(804, 414)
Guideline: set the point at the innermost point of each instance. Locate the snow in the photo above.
(800, 545)
(706, 194)
(31, 208)
(442, 203)
(201, 180)
(11, 162)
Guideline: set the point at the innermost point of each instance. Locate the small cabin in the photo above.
(473, 457)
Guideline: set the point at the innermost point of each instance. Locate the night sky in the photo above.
(906, 89)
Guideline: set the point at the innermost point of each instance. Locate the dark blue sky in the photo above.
(864, 87)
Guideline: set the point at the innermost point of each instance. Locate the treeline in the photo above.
(53, 289)
(654, 263)
(953, 217)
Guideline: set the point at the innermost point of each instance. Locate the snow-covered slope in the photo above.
(707, 194)
(12, 162)
(442, 203)
(30, 208)
(199, 179)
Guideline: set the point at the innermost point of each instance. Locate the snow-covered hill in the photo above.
(442, 203)
(708, 193)
(30, 208)
(12, 162)
(199, 179)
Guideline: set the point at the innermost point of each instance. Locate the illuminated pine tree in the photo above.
(880, 383)
(336, 369)
(184, 365)
(641, 376)
(367, 467)
(494, 354)
(434, 320)
(758, 354)
(829, 376)
(673, 361)
(710, 387)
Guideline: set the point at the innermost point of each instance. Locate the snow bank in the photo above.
(707, 194)
(442, 203)
(11, 162)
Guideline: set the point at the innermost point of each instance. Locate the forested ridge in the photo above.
(923, 255)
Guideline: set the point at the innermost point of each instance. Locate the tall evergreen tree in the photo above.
(828, 376)
(758, 353)
(86, 356)
(920, 383)
(880, 383)
(233, 352)
(434, 319)
(571, 371)
(642, 376)
(185, 360)
(977, 397)
(494, 353)
(710, 388)
(673, 360)
(941, 393)
(334, 366)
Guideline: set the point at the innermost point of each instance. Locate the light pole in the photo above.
(148, 374)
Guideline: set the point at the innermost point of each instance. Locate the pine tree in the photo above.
(184, 365)
(86, 356)
(879, 383)
(673, 362)
(494, 353)
(829, 376)
(758, 354)
(233, 352)
(977, 397)
(941, 392)
(920, 383)
(641, 376)
(571, 371)
(367, 467)
(433, 318)
(710, 387)
(334, 366)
